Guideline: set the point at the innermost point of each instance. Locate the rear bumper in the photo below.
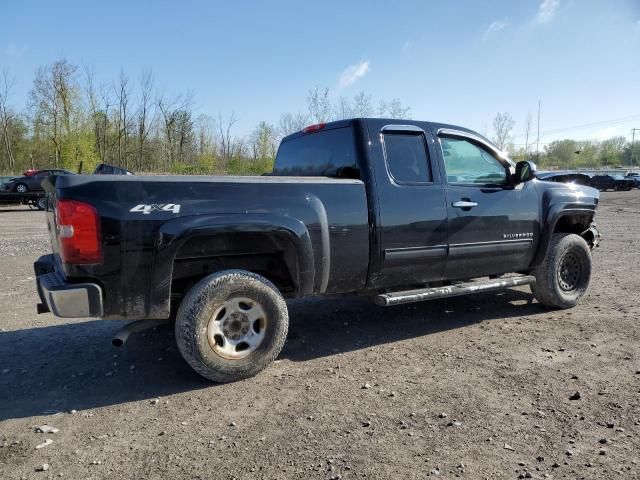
(64, 299)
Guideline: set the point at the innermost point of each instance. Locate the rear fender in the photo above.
(175, 233)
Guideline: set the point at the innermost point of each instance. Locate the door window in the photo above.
(406, 157)
(467, 163)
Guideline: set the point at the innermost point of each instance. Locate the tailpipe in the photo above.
(132, 327)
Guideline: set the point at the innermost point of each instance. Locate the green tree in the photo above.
(611, 151)
(561, 154)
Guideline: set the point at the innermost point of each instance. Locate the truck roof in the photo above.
(397, 121)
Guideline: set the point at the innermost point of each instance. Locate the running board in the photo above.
(410, 296)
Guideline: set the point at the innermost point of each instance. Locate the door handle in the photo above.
(464, 204)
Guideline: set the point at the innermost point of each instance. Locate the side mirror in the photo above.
(525, 171)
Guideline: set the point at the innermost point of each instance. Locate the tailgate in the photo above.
(49, 185)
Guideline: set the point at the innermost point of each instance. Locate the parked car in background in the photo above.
(35, 199)
(4, 180)
(623, 183)
(566, 177)
(612, 182)
(105, 169)
(635, 176)
(31, 183)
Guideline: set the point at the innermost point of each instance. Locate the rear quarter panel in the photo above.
(334, 212)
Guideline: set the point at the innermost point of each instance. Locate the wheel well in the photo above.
(578, 224)
(262, 254)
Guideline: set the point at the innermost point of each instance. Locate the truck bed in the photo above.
(157, 232)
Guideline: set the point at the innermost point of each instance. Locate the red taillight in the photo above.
(78, 232)
(313, 128)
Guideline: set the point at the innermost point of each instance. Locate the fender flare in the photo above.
(173, 234)
(556, 212)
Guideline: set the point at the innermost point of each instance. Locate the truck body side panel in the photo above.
(326, 219)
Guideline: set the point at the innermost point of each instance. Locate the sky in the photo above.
(457, 62)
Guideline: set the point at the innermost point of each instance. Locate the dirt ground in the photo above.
(473, 387)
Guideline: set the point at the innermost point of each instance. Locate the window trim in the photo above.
(406, 130)
(500, 156)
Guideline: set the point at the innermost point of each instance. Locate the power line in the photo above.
(589, 125)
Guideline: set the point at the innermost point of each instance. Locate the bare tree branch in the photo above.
(502, 126)
(6, 85)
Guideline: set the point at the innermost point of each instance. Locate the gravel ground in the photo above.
(474, 387)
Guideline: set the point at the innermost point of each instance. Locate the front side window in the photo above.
(467, 163)
(406, 156)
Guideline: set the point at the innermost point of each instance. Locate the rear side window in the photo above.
(406, 156)
(324, 153)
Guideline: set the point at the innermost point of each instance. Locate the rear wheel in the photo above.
(563, 277)
(231, 325)
(41, 203)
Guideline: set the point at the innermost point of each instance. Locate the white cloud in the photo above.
(407, 45)
(352, 73)
(547, 10)
(495, 27)
(16, 51)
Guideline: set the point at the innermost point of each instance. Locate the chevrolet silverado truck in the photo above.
(401, 211)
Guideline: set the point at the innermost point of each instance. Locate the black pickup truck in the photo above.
(401, 211)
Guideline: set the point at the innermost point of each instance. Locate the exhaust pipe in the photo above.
(132, 327)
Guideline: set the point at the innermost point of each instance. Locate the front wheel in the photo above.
(562, 279)
(231, 325)
(22, 188)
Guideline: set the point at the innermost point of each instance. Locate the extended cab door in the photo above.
(493, 224)
(412, 215)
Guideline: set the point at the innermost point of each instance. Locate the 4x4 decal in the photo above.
(156, 207)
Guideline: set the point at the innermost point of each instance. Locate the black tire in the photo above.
(21, 188)
(562, 279)
(41, 203)
(195, 321)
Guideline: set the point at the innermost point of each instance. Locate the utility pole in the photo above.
(633, 142)
(538, 140)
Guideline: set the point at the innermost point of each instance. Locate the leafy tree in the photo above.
(561, 153)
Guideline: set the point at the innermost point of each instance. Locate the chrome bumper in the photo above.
(63, 299)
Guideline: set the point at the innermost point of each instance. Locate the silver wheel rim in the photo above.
(42, 203)
(237, 328)
(21, 188)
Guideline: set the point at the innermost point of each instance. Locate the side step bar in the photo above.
(419, 295)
